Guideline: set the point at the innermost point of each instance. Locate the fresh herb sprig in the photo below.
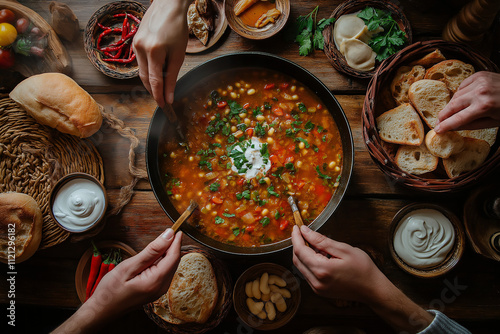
(309, 33)
(390, 40)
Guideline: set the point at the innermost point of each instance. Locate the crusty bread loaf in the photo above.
(490, 134)
(416, 159)
(161, 308)
(472, 156)
(443, 145)
(54, 99)
(404, 78)
(19, 213)
(429, 97)
(452, 72)
(193, 293)
(401, 125)
(429, 59)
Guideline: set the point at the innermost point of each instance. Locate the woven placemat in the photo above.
(33, 157)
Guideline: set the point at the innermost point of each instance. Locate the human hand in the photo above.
(160, 45)
(475, 105)
(336, 270)
(134, 282)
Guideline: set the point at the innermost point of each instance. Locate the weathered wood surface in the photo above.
(363, 218)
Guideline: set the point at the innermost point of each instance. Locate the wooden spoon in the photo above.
(296, 213)
(185, 215)
(169, 111)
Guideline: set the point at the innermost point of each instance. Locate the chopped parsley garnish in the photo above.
(267, 105)
(205, 163)
(303, 140)
(259, 130)
(319, 129)
(321, 175)
(256, 112)
(302, 107)
(236, 231)
(315, 148)
(228, 215)
(235, 109)
(324, 139)
(214, 186)
(226, 130)
(245, 194)
(308, 127)
(219, 220)
(271, 191)
(289, 166)
(265, 221)
(277, 215)
(216, 145)
(231, 139)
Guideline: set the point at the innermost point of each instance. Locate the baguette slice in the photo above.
(193, 293)
(452, 72)
(430, 59)
(161, 308)
(490, 134)
(473, 155)
(445, 144)
(416, 159)
(429, 97)
(401, 125)
(404, 78)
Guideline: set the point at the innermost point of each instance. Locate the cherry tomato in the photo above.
(6, 15)
(22, 25)
(6, 58)
(8, 34)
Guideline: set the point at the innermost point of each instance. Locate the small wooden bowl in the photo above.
(220, 24)
(224, 284)
(378, 100)
(65, 179)
(454, 255)
(255, 272)
(104, 16)
(336, 58)
(249, 32)
(83, 268)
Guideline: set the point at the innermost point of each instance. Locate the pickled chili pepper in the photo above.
(95, 264)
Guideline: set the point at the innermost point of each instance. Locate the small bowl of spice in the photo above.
(426, 240)
(256, 19)
(78, 202)
(108, 38)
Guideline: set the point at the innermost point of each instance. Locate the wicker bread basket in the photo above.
(225, 286)
(351, 6)
(379, 100)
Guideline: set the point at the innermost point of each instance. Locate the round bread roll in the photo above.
(21, 217)
(56, 100)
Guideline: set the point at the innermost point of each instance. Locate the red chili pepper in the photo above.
(102, 271)
(284, 224)
(124, 26)
(133, 17)
(217, 200)
(95, 264)
(103, 27)
(127, 37)
(105, 33)
(123, 61)
(269, 86)
(246, 105)
(284, 85)
(221, 104)
(112, 48)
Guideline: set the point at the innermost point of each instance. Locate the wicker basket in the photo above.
(336, 58)
(225, 286)
(33, 157)
(378, 100)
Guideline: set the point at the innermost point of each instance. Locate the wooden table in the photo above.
(45, 291)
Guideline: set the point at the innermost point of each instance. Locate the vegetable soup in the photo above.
(254, 137)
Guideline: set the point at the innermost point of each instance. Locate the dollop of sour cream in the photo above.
(249, 158)
(424, 238)
(78, 204)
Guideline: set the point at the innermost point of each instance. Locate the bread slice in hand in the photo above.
(416, 159)
(429, 97)
(472, 156)
(429, 59)
(161, 308)
(452, 72)
(404, 78)
(490, 134)
(443, 145)
(401, 125)
(193, 293)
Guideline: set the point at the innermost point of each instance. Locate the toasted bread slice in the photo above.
(193, 293)
(404, 78)
(196, 25)
(443, 145)
(429, 97)
(490, 134)
(430, 59)
(472, 156)
(452, 72)
(401, 125)
(416, 159)
(161, 308)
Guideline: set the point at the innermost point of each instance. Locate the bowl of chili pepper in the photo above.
(108, 38)
(96, 262)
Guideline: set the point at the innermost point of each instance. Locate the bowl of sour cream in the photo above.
(78, 202)
(426, 240)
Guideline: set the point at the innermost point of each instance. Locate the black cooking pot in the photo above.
(160, 131)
